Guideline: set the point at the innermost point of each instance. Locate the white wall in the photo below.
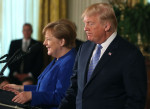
(75, 10)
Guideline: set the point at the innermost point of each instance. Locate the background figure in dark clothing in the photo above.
(78, 43)
(31, 64)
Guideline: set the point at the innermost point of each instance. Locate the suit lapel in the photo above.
(108, 54)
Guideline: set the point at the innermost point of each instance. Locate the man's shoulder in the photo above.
(126, 46)
(16, 40)
(88, 43)
(86, 47)
(33, 41)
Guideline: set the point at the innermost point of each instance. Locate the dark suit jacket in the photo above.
(32, 62)
(118, 82)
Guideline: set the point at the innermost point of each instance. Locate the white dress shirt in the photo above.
(105, 44)
(25, 44)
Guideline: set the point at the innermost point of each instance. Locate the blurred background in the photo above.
(133, 21)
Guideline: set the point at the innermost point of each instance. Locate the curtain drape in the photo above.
(50, 10)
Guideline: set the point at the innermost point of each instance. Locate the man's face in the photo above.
(27, 31)
(95, 31)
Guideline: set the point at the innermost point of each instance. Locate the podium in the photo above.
(7, 103)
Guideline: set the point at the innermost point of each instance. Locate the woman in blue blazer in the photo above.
(55, 79)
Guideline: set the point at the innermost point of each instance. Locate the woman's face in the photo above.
(52, 44)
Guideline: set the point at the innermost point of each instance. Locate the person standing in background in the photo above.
(109, 72)
(31, 65)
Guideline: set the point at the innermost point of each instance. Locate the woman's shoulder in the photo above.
(69, 58)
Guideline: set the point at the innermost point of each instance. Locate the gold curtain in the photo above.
(50, 10)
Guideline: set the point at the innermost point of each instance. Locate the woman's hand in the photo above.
(23, 97)
(13, 88)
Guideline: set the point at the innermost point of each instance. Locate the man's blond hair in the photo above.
(105, 12)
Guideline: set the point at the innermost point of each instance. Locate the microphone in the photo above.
(9, 61)
(6, 55)
(3, 61)
(23, 54)
(17, 57)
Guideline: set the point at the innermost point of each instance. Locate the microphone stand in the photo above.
(15, 58)
(22, 55)
(18, 57)
(9, 61)
(3, 61)
(3, 56)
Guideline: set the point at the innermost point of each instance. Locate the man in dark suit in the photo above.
(118, 80)
(31, 64)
